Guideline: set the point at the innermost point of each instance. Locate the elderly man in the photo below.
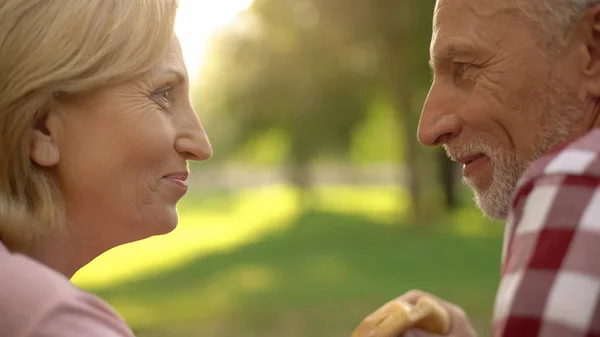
(516, 100)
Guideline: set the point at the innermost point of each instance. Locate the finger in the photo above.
(412, 296)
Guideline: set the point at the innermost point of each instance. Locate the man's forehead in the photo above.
(449, 12)
(456, 31)
(482, 5)
(461, 25)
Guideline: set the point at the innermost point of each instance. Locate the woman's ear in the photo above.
(43, 147)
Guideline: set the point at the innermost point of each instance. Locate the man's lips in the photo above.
(469, 159)
(473, 164)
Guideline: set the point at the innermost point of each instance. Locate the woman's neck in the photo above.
(59, 256)
(58, 252)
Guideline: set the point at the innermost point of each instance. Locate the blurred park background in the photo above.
(319, 204)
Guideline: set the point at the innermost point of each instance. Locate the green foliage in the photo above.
(378, 139)
(295, 70)
(265, 149)
(312, 69)
(315, 70)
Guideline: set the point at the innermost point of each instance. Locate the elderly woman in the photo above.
(96, 128)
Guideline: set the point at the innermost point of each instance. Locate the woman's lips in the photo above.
(179, 179)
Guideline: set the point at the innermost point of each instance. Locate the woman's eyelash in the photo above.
(163, 95)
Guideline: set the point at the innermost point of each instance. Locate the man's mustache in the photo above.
(459, 150)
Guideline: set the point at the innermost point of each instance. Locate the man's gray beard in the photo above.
(508, 167)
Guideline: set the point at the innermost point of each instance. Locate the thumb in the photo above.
(459, 321)
(440, 316)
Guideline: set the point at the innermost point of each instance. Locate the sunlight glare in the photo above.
(197, 21)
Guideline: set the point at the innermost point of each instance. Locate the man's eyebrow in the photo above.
(449, 52)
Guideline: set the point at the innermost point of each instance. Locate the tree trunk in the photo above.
(299, 176)
(396, 25)
(413, 155)
(448, 179)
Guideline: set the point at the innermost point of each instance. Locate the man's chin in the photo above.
(493, 201)
(490, 210)
(480, 182)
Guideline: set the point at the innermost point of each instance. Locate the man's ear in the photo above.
(43, 147)
(591, 35)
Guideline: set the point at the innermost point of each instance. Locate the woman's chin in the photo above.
(167, 222)
(159, 224)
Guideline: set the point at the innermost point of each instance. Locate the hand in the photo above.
(448, 318)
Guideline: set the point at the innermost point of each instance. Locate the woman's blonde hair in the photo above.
(54, 47)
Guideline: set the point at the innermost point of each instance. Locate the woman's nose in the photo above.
(192, 141)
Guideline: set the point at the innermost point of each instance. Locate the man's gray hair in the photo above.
(556, 18)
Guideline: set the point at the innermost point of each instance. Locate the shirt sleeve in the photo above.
(550, 284)
(81, 316)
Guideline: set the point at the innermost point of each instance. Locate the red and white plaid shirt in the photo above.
(550, 284)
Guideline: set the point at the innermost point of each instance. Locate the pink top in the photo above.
(36, 301)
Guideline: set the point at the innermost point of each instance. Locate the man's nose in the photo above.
(192, 141)
(439, 123)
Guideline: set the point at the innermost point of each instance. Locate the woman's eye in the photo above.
(163, 96)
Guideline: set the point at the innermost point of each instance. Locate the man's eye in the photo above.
(461, 68)
(463, 72)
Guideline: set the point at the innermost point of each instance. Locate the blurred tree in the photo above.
(284, 71)
(312, 68)
(400, 32)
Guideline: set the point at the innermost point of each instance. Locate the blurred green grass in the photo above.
(251, 263)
